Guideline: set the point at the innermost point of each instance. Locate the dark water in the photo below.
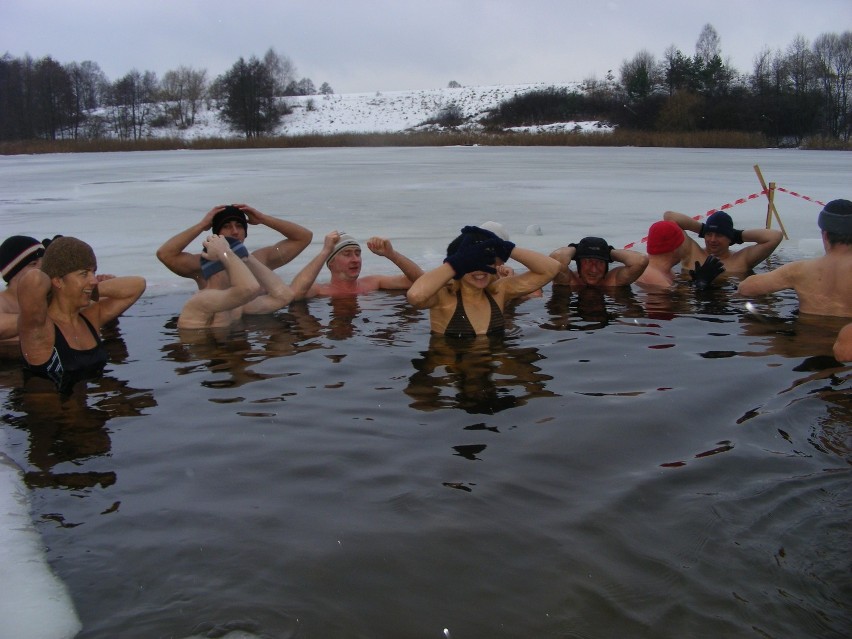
(616, 466)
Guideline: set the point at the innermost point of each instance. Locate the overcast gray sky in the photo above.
(386, 45)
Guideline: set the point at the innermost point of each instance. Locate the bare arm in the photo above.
(34, 326)
(634, 265)
(303, 283)
(683, 221)
(296, 238)
(542, 269)
(565, 276)
(202, 306)
(424, 292)
(116, 295)
(277, 295)
(173, 252)
(410, 271)
(767, 240)
(781, 278)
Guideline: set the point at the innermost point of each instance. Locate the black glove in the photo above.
(503, 248)
(473, 256)
(705, 273)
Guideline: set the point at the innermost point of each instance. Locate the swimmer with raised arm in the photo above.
(465, 297)
(237, 284)
(593, 256)
(63, 306)
(719, 235)
(233, 221)
(341, 254)
(823, 284)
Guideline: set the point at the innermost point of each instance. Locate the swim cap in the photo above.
(721, 223)
(211, 267)
(67, 254)
(344, 241)
(16, 252)
(836, 218)
(663, 237)
(593, 248)
(226, 215)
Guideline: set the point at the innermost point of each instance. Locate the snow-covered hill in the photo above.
(382, 112)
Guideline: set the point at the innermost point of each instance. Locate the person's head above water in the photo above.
(664, 237)
(836, 220)
(229, 214)
(592, 255)
(16, 253)
(344, 241)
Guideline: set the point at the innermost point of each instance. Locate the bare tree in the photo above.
(281, 69)
(639, 76)
(707, 47)
(184, 89)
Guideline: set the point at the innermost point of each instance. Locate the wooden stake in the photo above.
(770, 208)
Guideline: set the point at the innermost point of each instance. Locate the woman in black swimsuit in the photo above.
(464, 296)
(63, 307)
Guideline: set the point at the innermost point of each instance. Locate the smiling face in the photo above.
(76, 286)
(591, 271)
(716, 244)
(346, 264)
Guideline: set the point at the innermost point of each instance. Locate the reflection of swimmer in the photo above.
(482, 376)
(62, 312)
(590, 308)
(464, 296)
(71, 427)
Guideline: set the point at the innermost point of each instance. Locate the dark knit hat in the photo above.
(68, 254)
(228, 214)
(721, 223)
(836, 218)
(593, 248)
(16, 252)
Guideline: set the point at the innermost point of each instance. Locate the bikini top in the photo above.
(460, 326)
(67, 365)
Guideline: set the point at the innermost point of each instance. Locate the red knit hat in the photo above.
(663, 237)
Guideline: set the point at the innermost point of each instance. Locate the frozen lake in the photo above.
(619, 465)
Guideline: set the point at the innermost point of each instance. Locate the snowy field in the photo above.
(384, 112)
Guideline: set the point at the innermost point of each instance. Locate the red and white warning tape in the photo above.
(729, 205)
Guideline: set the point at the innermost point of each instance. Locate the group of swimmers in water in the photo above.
(55, 303)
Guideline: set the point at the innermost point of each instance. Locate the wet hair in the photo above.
(67, 254)
(836, 220)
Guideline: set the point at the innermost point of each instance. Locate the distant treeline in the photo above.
(790, 96)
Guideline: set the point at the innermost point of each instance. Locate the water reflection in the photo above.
(72, 427)
(589, 308)
(234, 354)
(484, 375)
